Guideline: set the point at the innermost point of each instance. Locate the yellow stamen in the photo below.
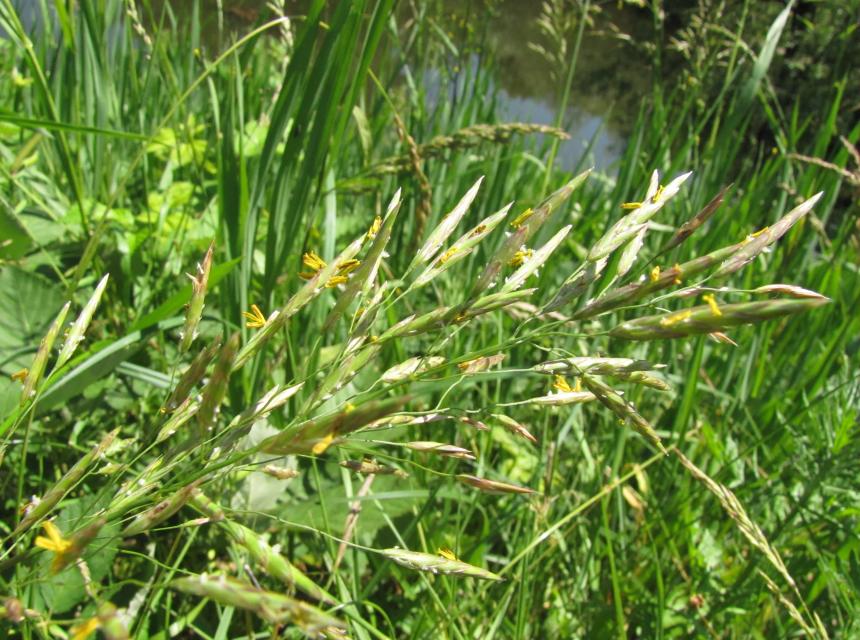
(759, 232)
(348, 266)
(375, 226)
(323, 444)
(335, 280)
(55, 541)
(561, 383)
(478, 230)
(675, 318)
(677, 270)
(313, 261)
(83, 630)
(256, 319)
(447, 255)
(655, 273)
(712, 303)
(520, 257)
(20, 376)
(658, 195)
(525, 215)
(447, 554)
(631, 205)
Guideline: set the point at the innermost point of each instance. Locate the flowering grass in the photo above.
(422, 382)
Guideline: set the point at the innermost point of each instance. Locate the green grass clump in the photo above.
(385, 400)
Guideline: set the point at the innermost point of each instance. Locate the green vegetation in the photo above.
(389, 403)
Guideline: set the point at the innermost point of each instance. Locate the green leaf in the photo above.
(15, 242)
(28, 303)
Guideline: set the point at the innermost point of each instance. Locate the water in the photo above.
(608, 86)
(610, 81)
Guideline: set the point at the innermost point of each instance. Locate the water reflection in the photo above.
(609, 82)
(607, 88)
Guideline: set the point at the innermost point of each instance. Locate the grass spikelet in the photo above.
(369, 467)
(702, 319)
(411, 367)
(274, 607)
(515, 427)
(462, 247)
(443, 564)
(194, 312)
(77, 330)
(664, 278)
(216, 389)
(34, 373)
(623, 230)
(535, 261)
(613, 401)
(162, 511)
(56, 493)
(67, 551)
(192, 375)
(316, 434)
(759, 241)
(789, 290)
(557, 399)
(263, 555)
(364, 277)
(522, 234)
(480, 364)
(643, 378)
(690, 226)
(441, 449)
(274, 398)
(492, 486)
(281, 473)
(310, 290)
(446, 227)
(596, 366)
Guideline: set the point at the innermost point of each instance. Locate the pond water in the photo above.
(607, 88)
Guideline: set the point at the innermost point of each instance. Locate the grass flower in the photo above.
(313, 262)
(521, 256)
(316, 264)
(55, 541)
(630, 206)
(520, 219)
(374, 228)
(83, 630)
(712, 303)
(255, 317)
(675, 318)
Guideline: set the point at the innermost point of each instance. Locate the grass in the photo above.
(384, 449)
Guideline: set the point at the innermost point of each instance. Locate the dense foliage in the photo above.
(389, 401)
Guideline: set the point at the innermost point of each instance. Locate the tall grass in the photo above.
(383, 448)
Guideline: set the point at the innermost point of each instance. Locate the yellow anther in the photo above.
(520, 219)
(675, 318)
(712, 303)
(255, 317)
